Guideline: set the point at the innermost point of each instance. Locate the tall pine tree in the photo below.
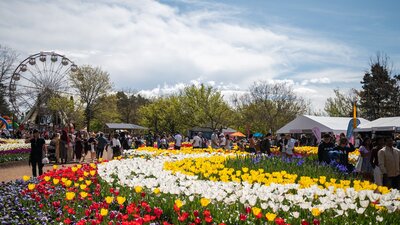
(380, 91)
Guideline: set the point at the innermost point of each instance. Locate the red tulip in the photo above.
(67, 221)
(207, 213)
(195, 213)
(209, 219)
(304, 222)
(248, 209)
(242, 217)
(316, 222)
(183, 217)
(279, 221)
(197, 220)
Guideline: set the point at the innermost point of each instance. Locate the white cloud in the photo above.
(157, 48)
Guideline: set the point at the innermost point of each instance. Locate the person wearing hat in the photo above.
(38, 146)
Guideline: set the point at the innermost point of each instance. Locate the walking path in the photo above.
(16, 170)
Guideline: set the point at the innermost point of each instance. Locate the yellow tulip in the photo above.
(315, 212)
(256, 211)
(79, 166)
(56, 181)
(88, 182)
(270, 216)
(93, 165)
(93, 172)
(156, 191)
(47, 178)
(68, 183)
(103, 212)
(55, 167)
(83, 186)
(85, 174)
(179, 203)
(138, 189)
(31, 186)
(204, 202)
(70, 195)
(83, 194)
(121, 200)
(109, 199)
(26, 178)
(74, 169)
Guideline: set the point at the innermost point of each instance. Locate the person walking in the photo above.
(196, 141)
(265, 145)
(252, 144)
(365, 154)
(101, 144)
(389, 159)
(116, 146)
(38, 147)
(64, 140)
(379, 144)
(178, 141)
(79, 147)
(215, 139)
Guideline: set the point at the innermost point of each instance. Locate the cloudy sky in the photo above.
(157, 47)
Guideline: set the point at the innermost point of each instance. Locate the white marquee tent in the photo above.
(381, 124)
(305, 124)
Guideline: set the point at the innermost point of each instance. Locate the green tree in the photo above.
(268, 106)
(341, 105)
(379, 96)
(91, 83)
(67, 110)
(163, 115)
(128, 104)
(107, 112)
(204, 106)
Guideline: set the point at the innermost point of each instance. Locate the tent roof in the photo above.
(125, 126)
(325, 124)
(381, 124)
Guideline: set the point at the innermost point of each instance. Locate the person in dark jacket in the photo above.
(324, 148)
(344, 148)
(38, 146)
(265, 144)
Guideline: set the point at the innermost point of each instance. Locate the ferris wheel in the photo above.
(36, 79)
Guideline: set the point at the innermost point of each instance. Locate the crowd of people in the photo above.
(379, 158)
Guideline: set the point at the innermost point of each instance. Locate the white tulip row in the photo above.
(149, 173)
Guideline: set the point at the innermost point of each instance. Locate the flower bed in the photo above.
(14, 150)
(171, 187)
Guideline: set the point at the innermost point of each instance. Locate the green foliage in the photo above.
(204, 106)
(66, 108)
(380, 94)
(268, 106)
(201, 106)
(107, 112)
(128, 106)
(163, 114)
(341, 105)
